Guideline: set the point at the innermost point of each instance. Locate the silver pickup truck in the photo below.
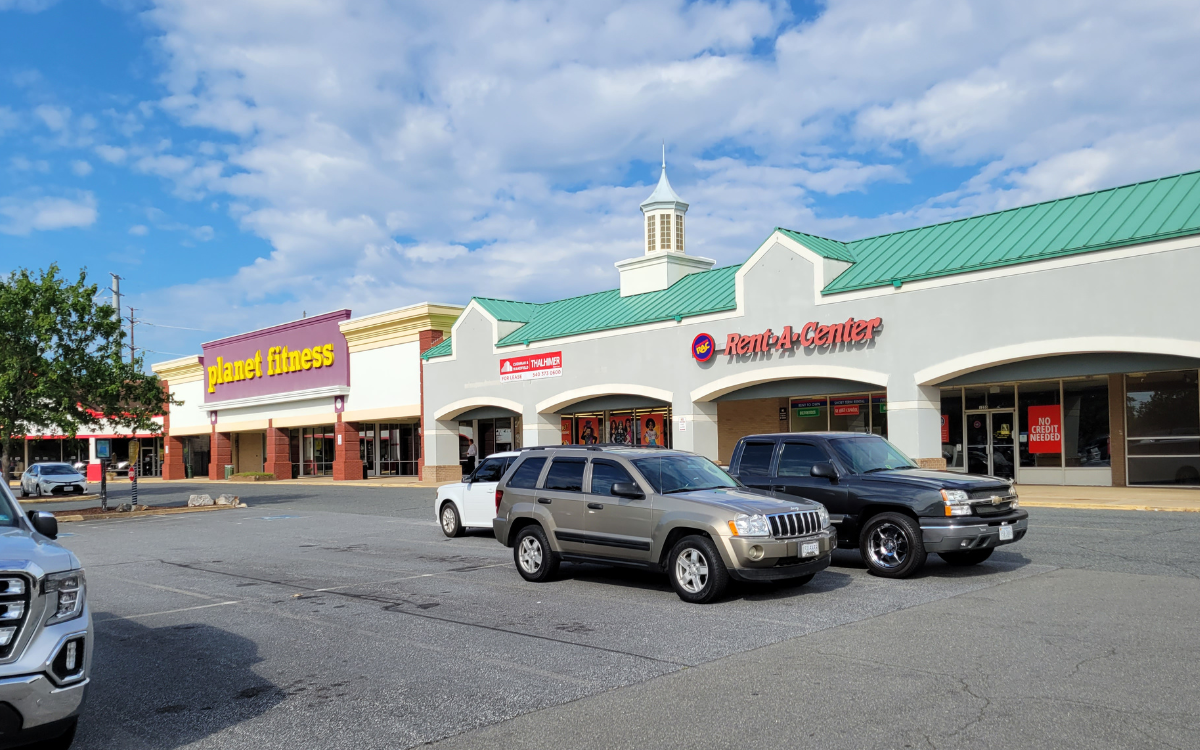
(45, 631)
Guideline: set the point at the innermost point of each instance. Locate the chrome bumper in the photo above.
(40, 701)
(780, 557)
(969, 536)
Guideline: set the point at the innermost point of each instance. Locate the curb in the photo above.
(1094, 506)
(70, 517)
(71, 499)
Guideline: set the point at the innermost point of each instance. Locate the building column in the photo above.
(915, 423)
(694, 427)
(220, 454)
(173, 467)
(539, 429)
(440, 443)
(347, 461)
(1116, 429)
(278, 460)
(94, 469)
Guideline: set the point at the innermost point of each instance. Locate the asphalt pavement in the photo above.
(342, 618)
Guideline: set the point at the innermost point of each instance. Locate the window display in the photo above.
(1162, 416)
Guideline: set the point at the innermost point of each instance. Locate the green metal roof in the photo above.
(440, 349)
(1127, 215)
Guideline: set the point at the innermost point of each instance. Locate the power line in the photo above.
(181, 328)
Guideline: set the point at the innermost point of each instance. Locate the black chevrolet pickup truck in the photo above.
(881, 502)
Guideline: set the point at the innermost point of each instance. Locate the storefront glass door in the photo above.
(990, 446)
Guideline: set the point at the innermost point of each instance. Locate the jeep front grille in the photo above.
(794, 524)
(14, 611)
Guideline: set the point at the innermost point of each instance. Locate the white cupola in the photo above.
(664, 261)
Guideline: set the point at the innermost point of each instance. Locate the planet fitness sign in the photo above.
(531, 367)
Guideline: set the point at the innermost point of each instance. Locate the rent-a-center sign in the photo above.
(812, 334)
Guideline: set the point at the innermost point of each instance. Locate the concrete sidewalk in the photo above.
(1110, 498)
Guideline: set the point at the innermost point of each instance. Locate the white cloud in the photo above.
(55, 118)
(24, 164)
(139, 230)
(22, 215)
(111, 154)
(81, 168)
(8, 120)
(29, 6)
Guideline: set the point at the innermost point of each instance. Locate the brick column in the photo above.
(221, 453)
(428, 339)
(278, 460)
(347, 461)
(173, 467)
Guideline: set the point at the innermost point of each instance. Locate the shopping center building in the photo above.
(1057, 343)
(328, 395)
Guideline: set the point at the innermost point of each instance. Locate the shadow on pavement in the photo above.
(161, 688)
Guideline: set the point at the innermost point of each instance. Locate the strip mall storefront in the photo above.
(1052, 344)
(329, 395)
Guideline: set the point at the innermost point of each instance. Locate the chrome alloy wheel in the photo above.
(530, 555)
(448, 519)
(887, 546)
(691, 570)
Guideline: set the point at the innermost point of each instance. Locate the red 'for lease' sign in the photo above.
(1045, 429)
(531, 367)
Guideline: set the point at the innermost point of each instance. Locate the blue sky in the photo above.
(241, 163)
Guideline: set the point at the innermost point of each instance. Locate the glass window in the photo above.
(849, 414)
(1162, 403)
(620, 428)
(756, 458)
(1001, 397)
(976, 398)
(879, 415)
(952, 427)
(526, 475)
(797, 459)
(565, 475)
(1039, 394)
(490, 470)
(867, 454)
(810, 415)
(605, 474)
(667, 474)
(1085, 422)
(57, 469)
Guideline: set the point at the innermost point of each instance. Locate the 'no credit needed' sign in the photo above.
(531, 367)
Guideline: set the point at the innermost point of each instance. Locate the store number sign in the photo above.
(1045, 429)
(531, 367)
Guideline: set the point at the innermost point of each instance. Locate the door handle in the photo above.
(544, 500)
(778, 487)
(595, 506)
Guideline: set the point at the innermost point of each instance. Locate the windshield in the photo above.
(57, 469)
(866, 454)
(8, 508)
(669, 474)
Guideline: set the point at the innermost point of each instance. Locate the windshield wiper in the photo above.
(877, 468)
(697, 489)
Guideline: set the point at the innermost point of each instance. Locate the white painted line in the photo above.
(184, 609)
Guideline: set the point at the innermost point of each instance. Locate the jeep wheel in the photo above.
(535, 560)
(966, 557)
(450, 522)
(696, 570)
(891, 546)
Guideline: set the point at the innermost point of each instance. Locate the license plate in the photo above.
(1006, 533)
(810, 549)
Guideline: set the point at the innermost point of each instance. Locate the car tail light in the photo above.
(499, 497)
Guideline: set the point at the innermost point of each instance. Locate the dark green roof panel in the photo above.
(440, 349)
(504, 309)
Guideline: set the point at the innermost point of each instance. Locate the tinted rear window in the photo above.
(490, 470)
(526, 475)
(566, 475)
(797, 459)
(756, 458)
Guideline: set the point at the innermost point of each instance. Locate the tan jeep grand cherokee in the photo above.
(657, 509)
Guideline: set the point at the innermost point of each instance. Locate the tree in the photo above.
(61, 364)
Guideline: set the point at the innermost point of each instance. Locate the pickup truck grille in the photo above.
(14, 611)
(794, 524)
(981, 501)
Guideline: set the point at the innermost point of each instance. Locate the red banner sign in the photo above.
(531, 367)
(945, 429)
(1045, 429)
(845, 410)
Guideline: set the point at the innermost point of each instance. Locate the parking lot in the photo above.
(326, 617)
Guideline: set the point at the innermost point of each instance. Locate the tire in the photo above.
(891, 546)
(61, 742)
(534, 558)
(37, 490)
(966, 557)
(23, 492)
(449, 521)
(696, 570)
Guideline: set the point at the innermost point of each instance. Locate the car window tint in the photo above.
(507, 463)
(490, 470)
(566, 474)
(756, 458)
(57, 470)
(33, 471)
(526, 475)
(605, 474)
(797, 459)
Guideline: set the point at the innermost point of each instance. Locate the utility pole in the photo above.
(116, 291)
(132, 348)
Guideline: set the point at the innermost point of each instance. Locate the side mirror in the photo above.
(825, 470)
(44, 523)
(627, 489)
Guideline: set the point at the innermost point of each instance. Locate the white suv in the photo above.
(472, 502)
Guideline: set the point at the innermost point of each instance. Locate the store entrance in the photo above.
(991, 443)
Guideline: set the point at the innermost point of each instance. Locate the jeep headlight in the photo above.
(67, 590)
(823, 513)
(744, 525)
(958, 503)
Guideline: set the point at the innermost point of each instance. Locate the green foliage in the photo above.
(256, 474)
(61, 363)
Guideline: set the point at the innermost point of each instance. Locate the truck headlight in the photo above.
(958, 503)
(823, 512)
(68, 589)
(744, 525)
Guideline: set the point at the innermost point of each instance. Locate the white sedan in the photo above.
(472, 502)
(52, 479)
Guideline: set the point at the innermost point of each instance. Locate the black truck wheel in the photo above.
(966, 557)
(891, 546)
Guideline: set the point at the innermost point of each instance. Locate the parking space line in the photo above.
(162, 588)
(170, 611)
